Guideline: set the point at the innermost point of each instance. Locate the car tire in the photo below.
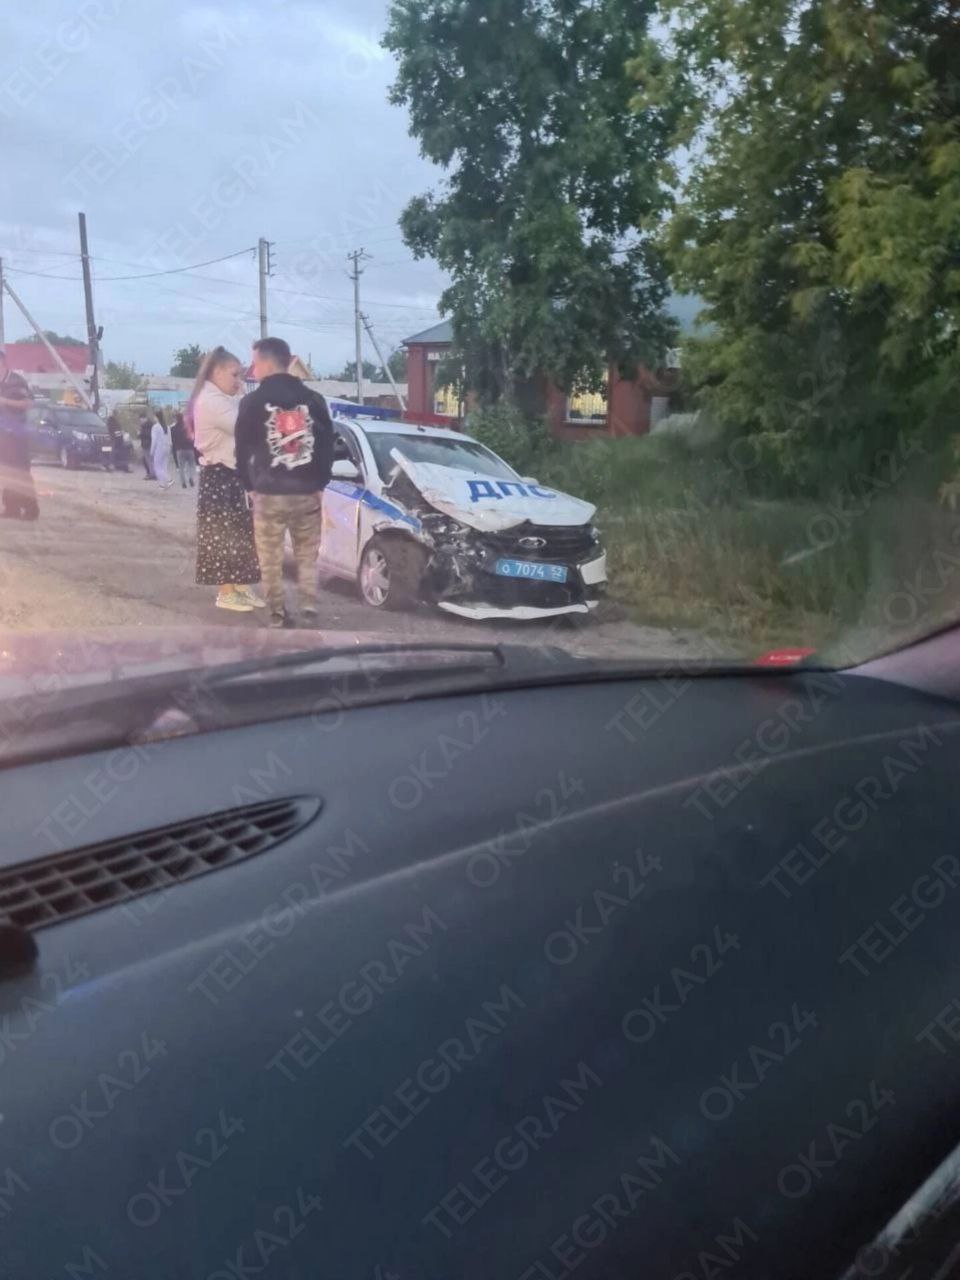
(390, 573)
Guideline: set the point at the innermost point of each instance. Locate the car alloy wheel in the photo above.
(375, 577)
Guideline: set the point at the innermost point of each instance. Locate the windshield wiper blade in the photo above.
(182, 702)
(463, 656)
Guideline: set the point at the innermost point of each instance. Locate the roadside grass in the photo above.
(723, 568)
(689, 547)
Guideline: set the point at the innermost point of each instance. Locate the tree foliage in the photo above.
(186, 361)
(371, 372)
(118, 375)
(819, 218)
(397, 360)
(526, 106)
(55, 339)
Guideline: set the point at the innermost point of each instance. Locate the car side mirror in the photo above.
(344, 469)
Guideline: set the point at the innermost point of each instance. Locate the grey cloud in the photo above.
(156, 119)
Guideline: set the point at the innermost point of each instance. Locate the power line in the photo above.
(177, 270)
(299, 293)
(45, 253)
(317, 327)
(147, 275)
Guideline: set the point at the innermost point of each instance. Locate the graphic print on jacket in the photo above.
(289, 436)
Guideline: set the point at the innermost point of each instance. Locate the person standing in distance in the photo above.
(226, 554)
(146, 433)
(160, 450)
(284, 457)
(183, 454)
(18, 494)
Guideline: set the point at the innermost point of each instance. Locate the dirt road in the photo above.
(112, 549)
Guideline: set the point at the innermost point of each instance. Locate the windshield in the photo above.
(473, 474)
(676, 287)
(78, 421)
(436, 451)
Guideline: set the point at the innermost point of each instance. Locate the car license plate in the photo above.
(532, 569)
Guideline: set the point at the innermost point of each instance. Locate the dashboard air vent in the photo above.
(50, 890)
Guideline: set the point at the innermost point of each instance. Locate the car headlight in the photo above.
(441, 526)
(594, 533)
(82, 437)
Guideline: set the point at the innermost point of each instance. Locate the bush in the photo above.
(522, 441)
(701, 534)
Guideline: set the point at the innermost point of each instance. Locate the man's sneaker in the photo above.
(248, 593)
(310, 619)
(235, 601)
(277, 621)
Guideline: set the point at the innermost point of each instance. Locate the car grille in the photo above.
(509, 593)
(100, 441)
(563, 543)
(104, 875)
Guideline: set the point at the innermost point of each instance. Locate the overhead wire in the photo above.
(147, 275)
(318, 327)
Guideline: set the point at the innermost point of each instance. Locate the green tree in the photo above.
(186, 362)
(526, 106)
(371, 372)
(397, 360)
(120, 376)
(819, 219)
(56, 339)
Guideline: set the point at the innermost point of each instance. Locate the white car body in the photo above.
(459, 515)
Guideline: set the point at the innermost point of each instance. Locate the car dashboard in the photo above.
(651, 977)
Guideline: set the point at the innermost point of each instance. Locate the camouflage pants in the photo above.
(273, 515)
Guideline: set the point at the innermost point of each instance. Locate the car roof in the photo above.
(403, 429)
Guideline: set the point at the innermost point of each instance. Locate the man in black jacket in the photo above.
(146, 432)
(284, 445)
(18, 493)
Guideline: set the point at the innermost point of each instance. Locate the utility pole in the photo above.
(265, 259)
(93, 338)
(356, 258)
(389, 373)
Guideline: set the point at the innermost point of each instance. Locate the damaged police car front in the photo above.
(425, 514)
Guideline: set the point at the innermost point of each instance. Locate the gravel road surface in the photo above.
(113, 549)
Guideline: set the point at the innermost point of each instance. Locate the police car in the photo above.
(416, 513)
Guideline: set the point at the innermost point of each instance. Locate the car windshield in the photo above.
(481, 480)
(79, 421)
(439, 451)
(662, 299)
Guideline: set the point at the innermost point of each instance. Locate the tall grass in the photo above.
(690, 545)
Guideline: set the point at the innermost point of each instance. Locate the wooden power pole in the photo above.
(93, 337)
(356, 258)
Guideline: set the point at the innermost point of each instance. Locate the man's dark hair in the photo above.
(275, 349)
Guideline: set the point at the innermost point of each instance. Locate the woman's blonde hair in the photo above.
(214, 359)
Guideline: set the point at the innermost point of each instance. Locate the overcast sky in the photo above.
(187, 131)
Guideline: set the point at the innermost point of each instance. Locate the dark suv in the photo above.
(71, 436)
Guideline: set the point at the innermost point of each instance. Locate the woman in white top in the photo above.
(226, 552)
(160, 450)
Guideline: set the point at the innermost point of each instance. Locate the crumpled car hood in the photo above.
(492, 505)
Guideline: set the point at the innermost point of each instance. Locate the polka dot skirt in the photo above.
(226, 551)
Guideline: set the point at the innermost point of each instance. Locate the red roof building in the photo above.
(626, 407)
(33, 357)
